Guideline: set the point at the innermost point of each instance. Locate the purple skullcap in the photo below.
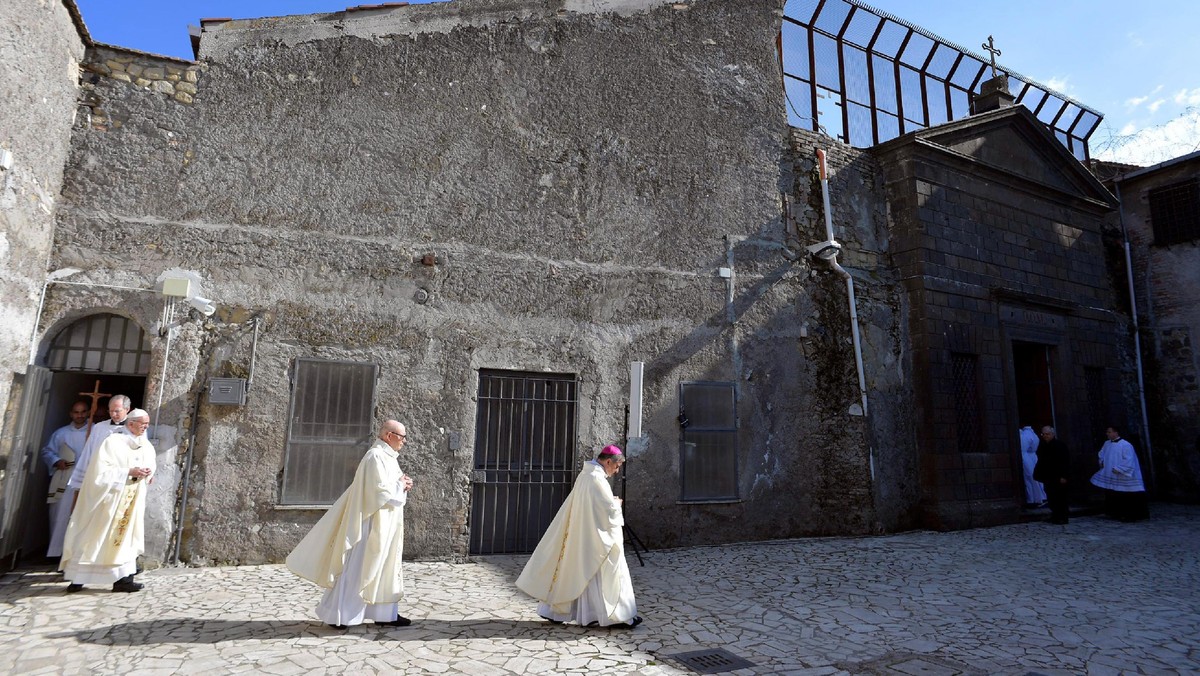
(610, 450)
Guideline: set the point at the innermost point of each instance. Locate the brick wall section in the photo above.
(988, 258)
(1167, 283)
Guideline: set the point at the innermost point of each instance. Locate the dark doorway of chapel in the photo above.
(1032, 366)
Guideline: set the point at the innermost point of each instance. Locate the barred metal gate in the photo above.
(524, 458)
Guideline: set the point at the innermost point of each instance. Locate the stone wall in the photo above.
(40, 50)
(444, 188)
(1167, 280)
(1001, 244)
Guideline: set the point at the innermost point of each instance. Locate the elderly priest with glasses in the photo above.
(355, 551)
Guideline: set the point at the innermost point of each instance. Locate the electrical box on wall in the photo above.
(177, 287)
(227, 391)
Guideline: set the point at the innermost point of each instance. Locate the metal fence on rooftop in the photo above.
(864, 76)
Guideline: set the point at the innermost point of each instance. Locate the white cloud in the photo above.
(1128, 129)
(1139, 100)
(1153, 107)
(1059, 84)
(1187, 97)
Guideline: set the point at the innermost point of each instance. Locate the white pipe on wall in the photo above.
(831, 258)
(1137, 334)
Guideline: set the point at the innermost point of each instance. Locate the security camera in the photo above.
(825, 250)
(203, 305)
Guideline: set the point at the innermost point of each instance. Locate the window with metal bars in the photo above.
(101, 343)
(968, 421)
(1175, 212)
(329, 428)
(708, 441)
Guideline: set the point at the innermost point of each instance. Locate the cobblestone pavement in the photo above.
(1092, 597)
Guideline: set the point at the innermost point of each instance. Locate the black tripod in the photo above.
(634, 541)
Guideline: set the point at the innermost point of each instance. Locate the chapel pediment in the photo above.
(1013, 141)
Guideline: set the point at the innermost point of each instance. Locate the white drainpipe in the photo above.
(828, 251)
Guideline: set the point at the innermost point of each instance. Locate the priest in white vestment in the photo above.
(1035, 494)
(356, 550)
(118, 411)
(59, 456)
(106, 533)
(578, 570)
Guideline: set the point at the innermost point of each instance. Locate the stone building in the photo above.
(530, 229)
(1160, 221)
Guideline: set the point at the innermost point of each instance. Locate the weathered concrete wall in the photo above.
(40, 49)
(1167, 280)
(575, 180)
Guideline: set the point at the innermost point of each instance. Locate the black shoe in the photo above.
(72, 588)
(127, 587)
(1058, 522)
(398, 622)
(637, 619)
(337, 626)
(550, 620)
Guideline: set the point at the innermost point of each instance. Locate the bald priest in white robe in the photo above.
(106, 532)
(355, 551)
(578, 570)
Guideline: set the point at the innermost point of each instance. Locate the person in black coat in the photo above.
(1053, 467)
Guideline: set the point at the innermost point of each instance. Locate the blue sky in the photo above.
(1137, 63)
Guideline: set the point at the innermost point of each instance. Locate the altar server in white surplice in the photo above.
(578, 570)
(106, 533)
(59, 456)
(1035, 494)
(118, 410)
(356, 550)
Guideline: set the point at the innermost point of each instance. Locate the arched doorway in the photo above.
(91, 359)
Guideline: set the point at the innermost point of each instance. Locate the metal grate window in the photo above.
(708, 441)
(864, 77)
(333, 405)
(102, 343)
(1175, 212)
(968, 423)
(525, 441)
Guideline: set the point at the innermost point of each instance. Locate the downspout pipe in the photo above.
(1137, 333)
(828, 252)
(187, 478)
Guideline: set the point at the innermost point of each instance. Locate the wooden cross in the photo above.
(95, 395)
(991, 47)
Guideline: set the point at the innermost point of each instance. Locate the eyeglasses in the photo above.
(397, 434)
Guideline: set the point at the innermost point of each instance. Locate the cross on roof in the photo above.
(991, 47)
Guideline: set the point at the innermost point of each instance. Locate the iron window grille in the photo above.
(968, 418)
(101, 343)
(525, 457)
(708, 459)
(329, 429)
(1175, 212)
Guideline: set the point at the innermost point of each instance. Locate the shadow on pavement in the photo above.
(219, 631)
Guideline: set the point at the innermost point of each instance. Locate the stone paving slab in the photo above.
(1093, 597)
